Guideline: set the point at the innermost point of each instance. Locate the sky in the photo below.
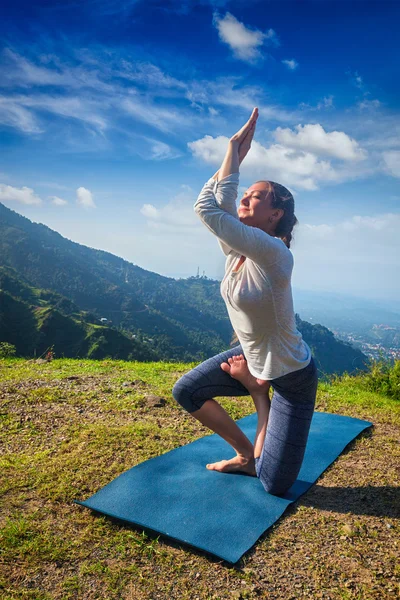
(114, 113)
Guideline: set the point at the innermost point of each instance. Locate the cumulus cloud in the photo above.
(84, 198)
(313, 138)
(291, 64)
(103, 93)
(24, 195)
(288, 166)
(150, 212)
(326, 254)
(176, 216)
(364, 226)
(362, 239)
(360, 255)
(243, 41)
(392, 163)
(58, 201)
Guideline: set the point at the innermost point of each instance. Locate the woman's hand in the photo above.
(238, 147)
(243, 138)
(246, 144)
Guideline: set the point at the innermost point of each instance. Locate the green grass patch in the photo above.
(71, 426)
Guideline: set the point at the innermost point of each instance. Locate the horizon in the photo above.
(114, 116)
(377, 301)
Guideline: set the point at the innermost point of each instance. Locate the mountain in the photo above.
(184, 320)
(34, 320)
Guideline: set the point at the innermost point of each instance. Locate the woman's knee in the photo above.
(277, 487)
(184, 396)
(277, 481)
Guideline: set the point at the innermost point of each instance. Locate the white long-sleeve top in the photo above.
(258, 296)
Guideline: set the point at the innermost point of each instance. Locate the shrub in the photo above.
(7, 350)
(384, 377)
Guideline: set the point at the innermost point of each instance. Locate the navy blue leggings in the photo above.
(292, 407)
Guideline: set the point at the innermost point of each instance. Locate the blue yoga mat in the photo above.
(223, 514)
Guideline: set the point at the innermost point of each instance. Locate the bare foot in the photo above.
(259, 391)
(238, 463)
(238, 369)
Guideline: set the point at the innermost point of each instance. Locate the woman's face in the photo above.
(255, 208)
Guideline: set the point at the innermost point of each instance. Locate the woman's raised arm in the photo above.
(216, 206)
(238, 147)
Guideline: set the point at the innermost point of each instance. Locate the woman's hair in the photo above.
(280, 198)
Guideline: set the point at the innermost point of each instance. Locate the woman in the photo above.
(257, 291)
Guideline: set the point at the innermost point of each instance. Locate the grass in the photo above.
(68, 427)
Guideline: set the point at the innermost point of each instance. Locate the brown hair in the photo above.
(280, 198)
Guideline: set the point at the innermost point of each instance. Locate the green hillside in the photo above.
(172, 320)
(34, 320)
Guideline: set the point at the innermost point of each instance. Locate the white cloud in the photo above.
(392, 162)
(84, 198)
(158, 150)
(356, 79)
(150, 211)
(24, 195)
(291, 64)
(148, 74)
(91, 93)
(288, 166)
(313, 138)
(71, 107)
(369, 104)
(361, 226)
(175, 216)
(350, 255)
(243, 41)
(58, 201)
(18, 70)
(14, 115)
(227, 91)
(359, 254)
(327, 102)
(164, 119)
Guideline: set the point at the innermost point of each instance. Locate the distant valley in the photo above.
(85, 302)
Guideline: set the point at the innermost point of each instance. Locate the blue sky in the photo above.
(113, 114)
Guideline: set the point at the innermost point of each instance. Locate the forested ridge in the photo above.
(53, 292)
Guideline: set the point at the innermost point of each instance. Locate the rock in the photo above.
(155, 401)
